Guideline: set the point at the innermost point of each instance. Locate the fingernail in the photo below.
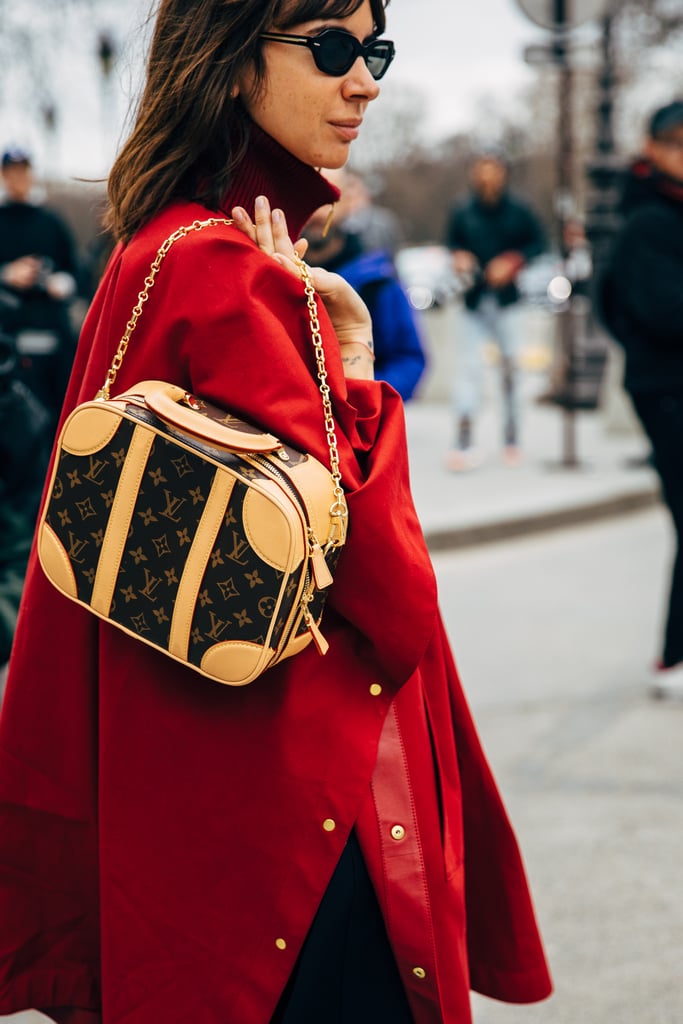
(261, 202)
(238, 213)
(277, 216)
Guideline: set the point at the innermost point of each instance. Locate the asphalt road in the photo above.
(554, 636)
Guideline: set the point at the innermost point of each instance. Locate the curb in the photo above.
(453, 538)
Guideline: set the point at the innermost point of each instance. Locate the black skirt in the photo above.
(346, 972)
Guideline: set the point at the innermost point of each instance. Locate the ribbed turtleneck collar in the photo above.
(270, 170)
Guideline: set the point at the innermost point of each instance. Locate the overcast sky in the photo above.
(449, 52)
(455, 52)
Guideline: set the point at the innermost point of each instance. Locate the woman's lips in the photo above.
(347, 129)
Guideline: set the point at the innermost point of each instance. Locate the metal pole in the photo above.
(563, 209)
(603, 173)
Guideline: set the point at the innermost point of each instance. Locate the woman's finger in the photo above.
(287, 264)
(301, 247)
(264, 225)
(281, 239)
(243, 221)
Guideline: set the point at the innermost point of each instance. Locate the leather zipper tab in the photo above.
(319, 640)
(321, 570)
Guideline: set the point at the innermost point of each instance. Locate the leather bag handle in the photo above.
(180, 409)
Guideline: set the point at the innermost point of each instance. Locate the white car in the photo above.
(425, 273)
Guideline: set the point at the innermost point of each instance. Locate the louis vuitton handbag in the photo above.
(190, 529)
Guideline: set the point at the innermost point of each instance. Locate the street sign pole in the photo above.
(563, 210)
(560, 17)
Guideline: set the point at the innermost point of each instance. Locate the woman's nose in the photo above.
(359, 81)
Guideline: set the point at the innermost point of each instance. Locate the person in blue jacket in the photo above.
(399, 353)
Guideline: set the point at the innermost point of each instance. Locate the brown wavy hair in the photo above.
(190, 132)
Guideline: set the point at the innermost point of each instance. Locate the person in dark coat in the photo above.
(39, 267)
(641, 296)
(491, 236)
(399, 354)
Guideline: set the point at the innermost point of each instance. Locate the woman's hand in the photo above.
(347, 311)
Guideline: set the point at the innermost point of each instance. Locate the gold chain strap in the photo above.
(338, 511)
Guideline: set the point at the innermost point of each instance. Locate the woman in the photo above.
(174, 850)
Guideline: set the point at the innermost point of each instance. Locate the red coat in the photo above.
(165, 840)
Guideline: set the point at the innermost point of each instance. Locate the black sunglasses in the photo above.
(335, 51)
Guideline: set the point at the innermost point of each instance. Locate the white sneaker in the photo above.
(667, 683)
(512, 455)
(462, 460)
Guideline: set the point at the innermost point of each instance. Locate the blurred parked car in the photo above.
(425, 273)
(534, 278)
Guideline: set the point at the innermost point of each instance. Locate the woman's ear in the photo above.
(234, 92)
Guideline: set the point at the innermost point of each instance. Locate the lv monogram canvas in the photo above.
(206, 551)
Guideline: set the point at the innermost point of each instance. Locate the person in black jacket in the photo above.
(37, 279)
(491, 236)
(641, 298)
(38, 267)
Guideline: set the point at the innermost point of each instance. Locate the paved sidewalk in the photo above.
(496, 501)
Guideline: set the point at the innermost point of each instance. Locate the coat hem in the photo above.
(511, 986)
(53, 988)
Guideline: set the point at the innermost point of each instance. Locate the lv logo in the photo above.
(218, 626)
(239, 546)
(76, 548)
(151, 584)
(94, 474)
(173, 506)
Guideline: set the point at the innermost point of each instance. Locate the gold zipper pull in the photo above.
(321, 570)
(319, 640)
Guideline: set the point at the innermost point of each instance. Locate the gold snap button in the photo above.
(329, 824)
(398, 832)
(419, 972)
(375, 689)
(281, 944)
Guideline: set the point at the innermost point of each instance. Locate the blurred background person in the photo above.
(399, 352)
(491, 235)
(377, 227)
(641, 296)
(24, 450)
(39, 268)
(38, 275)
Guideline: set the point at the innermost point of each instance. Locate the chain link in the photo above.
(338, 510)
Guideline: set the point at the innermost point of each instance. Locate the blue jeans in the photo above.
(488, 321)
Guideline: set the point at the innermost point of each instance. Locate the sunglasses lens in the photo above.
(336, 52)
(379, 57)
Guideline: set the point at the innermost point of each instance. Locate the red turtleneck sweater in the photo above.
(165, 841)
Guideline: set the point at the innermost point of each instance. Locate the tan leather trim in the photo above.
(195, 566)
(235, 662)
(163, 399)
(119, 519)
(274, 529)
(314, 484)
(89, 428)
(55, 561)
